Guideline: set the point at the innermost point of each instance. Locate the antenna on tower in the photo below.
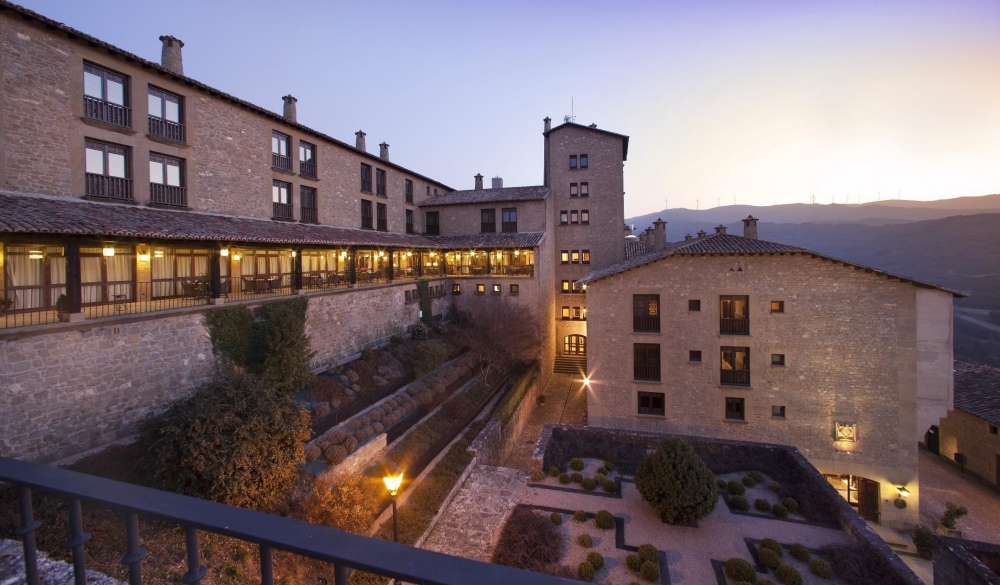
(572, 116)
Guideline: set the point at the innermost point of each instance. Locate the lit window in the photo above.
(585, 256)
(576, 313)
(563, 217)
(574, 217)
(564, 257)
(585, 217)
(584, 189)
(515, 289)
(777, 306)
(565, 286)
(456, 289)
(496, 289)
(576, 257)
(480, 289)
(574, 190)
(565, 312)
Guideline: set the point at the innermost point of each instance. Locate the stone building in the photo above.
(738, 338)
(968, 436)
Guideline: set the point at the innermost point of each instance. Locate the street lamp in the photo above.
(392, 483)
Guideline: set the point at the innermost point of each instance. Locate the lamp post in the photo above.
(392, 483)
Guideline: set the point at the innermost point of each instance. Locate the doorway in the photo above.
(575, 345)
(860, 492)
(931, 440)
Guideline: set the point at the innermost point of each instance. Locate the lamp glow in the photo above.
(293, 253)
(237, 257)
(35, 254)
(157, 253)
(392, 483)
(224, 252)
(109, 252)
(144, 257)
(903, 492)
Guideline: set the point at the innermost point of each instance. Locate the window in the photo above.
(431, 226)
(307, 159)
(480, 289)
(734, 409)
(165, 115)
(166, 181)
(565, 286)
(366, 215)
(578, 288)
(734, 316)
(583, 161)
(566, 313)
(777, 411)
(572, 161)
(585, 217)
(777, 359)
(694, 305)
(564, 257)
(584, 189)
(366, 178)
(107, 171)
(409, 191)
(651, 403)
(280, 159)
(585, 256)
(510, 219)
(577, 314)
(456, 289)
(736, 366)
(646, 313)
(380, 182)
(646, 361)
(515, 289)
(993, 429)
(411, 296)
(694, 356)
(488, 221)
(574, 190)
(307, 205)
(563, 217)
(409, 221)
(281, 194)
(496, 289)
(574, 216)
(777, 306)
(382, 217)
(105, 96)
(575, 257)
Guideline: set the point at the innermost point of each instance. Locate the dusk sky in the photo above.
(765, 102)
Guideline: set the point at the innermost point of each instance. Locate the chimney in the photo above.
(548, 123)
(383, 151)
(701, 234)
(360, 142)
(688, 237)
(479, 182)
(720, 229)
(497, 183)
(659, 234)
(171, 56)
(289, 113)
(750, 228)
(592, 126)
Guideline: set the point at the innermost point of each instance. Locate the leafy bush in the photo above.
(774, 545)
(735, 488)
(367, 354)
(780, 511)
(588, 484)
(748, 481)
(739, 569)
(609, 466)
(821, 569)
(426, 357)
(553, 471)
(604, 520)
(596, 560)
(439, 327)
(576, 464)
(788, 575)
(419, 331)
(756, 476)
(951, 514)
(236, 440)
(609, 486)
(537, 475)
(791, 504)
(586, 571)
(556, 518)
(922, 537)
(762, 505)
(800, 552)
(527, 541)
(512, 399)
(650, 571)
(740, 503)
(577, 477)
(648, 552)
(634, 562)
(768, 558)
(773, 486)
(564, 478)
(721, 483)
(349, 505)
(766, 581)
(585, 540)
(580, 516)
(396, 339)
(677, 482)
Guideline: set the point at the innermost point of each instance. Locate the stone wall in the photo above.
(496, 441)
(965, 433)
(961, 562)
(467, 219)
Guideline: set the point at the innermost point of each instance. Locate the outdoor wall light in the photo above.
(108, 251)
(157, 253)
(392, 483)
(143, 256)
(237, 257)
(903, 492)
(35, 254)
(293, 253)
(224, 252)
(586, 381)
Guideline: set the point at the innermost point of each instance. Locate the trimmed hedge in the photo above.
(768, 558)
(580, 516)
(556, 518)
(596, 560)
(604, 520)
(648, 552)
(735, 488)
(740, 503)
(800, 552)
(650, 571)
(821, 569)
(676, 482)
(739, 569)
(788, 575)
(585, 540)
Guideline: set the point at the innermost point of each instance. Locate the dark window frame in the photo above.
(651, 404)
(164, 193)
(646, 362)
(733, 376)
(515, 289)
(480, 289)
(694, 356)
(307, 159)
(456, 288)
(508, 217)
(646, 312)
(694, 305)
(159, 124)
(584, 217)
(409, 221)
(730, 323)
(574, 189)
(380, 182)
(432, 223)
(381, 217)
(584, 161)
(777, 306)
(778, 360)
(366, 178)
(574, 217)
(564, 217)
(281, 209)
(564, 256)
(497, 289)
(566, 313)
(777, 411)
(409, 190)
(585, 189)
(308, 204)
(736, 408)
(367, 215)
(572, 161)
(104, 185)
(584, 256)
(278, 160)
(488, 221)
(101, 108)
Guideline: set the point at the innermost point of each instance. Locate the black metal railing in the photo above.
(98, 109)
(117, 188)
(261, 286)
(735, 377)
(509, 226)
(281, 161)
(734, 326)
(30, 305)
(366, 185)
(383, 225)
(488, 227)
(309, 215)
(409, 228)
(167, 195)
(380, 190)
(127, 298)
(307, 169)
(166, 129)
(409, 197)
(345, 551)
(646, 323)
(281, 211)
(432, 230)
(651, 373)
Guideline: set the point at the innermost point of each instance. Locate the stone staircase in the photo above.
(570, 365)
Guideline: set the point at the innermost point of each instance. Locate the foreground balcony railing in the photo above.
(117, 188)
(734, 326)
(735, 377)
(344, 551)
(166, 129)
(481, 270)
(174, 196)
(111, 113)
(646, 323)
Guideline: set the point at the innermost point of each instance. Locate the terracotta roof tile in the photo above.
(977, 390)
(634, 249)
(507, 194)
(497, 240)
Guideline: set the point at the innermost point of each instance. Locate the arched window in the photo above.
(575, 345)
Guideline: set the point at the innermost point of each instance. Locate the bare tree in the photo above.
(501, 333)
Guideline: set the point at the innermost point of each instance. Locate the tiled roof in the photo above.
(723, 244)
(977, 391)
(497, 240)
(49, 214)
(535, 193)
(599, 131)
(634, 248)
(84, 38)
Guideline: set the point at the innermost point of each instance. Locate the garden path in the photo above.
(565, 403)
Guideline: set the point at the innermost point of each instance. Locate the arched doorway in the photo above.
(575, 345)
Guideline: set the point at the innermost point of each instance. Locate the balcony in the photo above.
(432, 230)
(280, 161)
(309, 215)
(735, 377)
(645, 324)
(105, 187)
(488, 227)
(171, 195)
(509, 226)
(383, 225)
(166, 129)
(307, 169)
(647, 373)
(281, 211)
(734, 326)
(366, 185)
(107, 112)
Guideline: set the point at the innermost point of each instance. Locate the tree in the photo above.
(677, 482)
(501, 333)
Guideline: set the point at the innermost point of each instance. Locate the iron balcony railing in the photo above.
(166, 129)
(651, 373)
(509, 226)
(98, 109)
(281, 161)
(736, 377)
(167, 195)
(383, 225)
(488, 227)
(734, 326)
(409, 228)
(307, 169)
(281, 211)
(117, 188)
(343, 550)
(380, 189)
(432, 230)
(309, 215)
(366, 185)
(409, 196)
(646, 323)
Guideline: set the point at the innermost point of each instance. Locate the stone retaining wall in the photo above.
(496, 441)
(958, 561)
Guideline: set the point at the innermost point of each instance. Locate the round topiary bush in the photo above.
(596, 560)
(600, 477)
(735, 488)
(740, 503)
(773, 486)
(677, 482)
(556, 518)
(564, 478)
(609, 466)
(577, 477)
(585, 540)
(580, 516)
(821, 569)
(537, 475)
(774, 545)
(588, 484)
(791, 503)
(585, 571)
(800, 552)
(788, 575)
(768, 558)
(748, 481)
(650, 571)
(762, 505)
(766, 581)
(632, 561)
(553, 471)
(604, 520)
(739, 569)
(576, 464)
(609, 486)
(648, 552)
(721, 483)
(780, 511)
(757, 476)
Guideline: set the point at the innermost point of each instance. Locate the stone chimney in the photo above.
(497, 183)
(592, 126)
(171, 56)
(659, 234)
(701, 234)
(479, 182)
(289, 112)
(750, 228)
(383, 151)
(688, 237)
(720, 229)
(548, 123)
(359, 143)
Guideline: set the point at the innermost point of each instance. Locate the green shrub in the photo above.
(762, 505)
(596, 560)
(600, 477)
(766, 581)
(922, 537)
(773, 486)
(537, 475)
(648, 552)
(821, 569)
(576, 464)
(577, 477)
(588, 484)
(800, 552)
(396, 339)
(774, 545)
(556, 518)
(768, 558)
(634, 562)
(419, 331)
(527, 541)
(677, 482)
(788, 575)
(349, 504)
(650, 571)
(609, 486)
(735, 488)
(426, 356)
(757, 476)
(740, 503)
(585, 540)
(739, 569)
(791, 504)
(367, 354)
(748, 481)
(609, 466)
(236, 440)
(780, 511)
(951, 514)
(604, 520)
(553, 471)
(580, 516)
(585, 571)
(564, 478)
(721, 483)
